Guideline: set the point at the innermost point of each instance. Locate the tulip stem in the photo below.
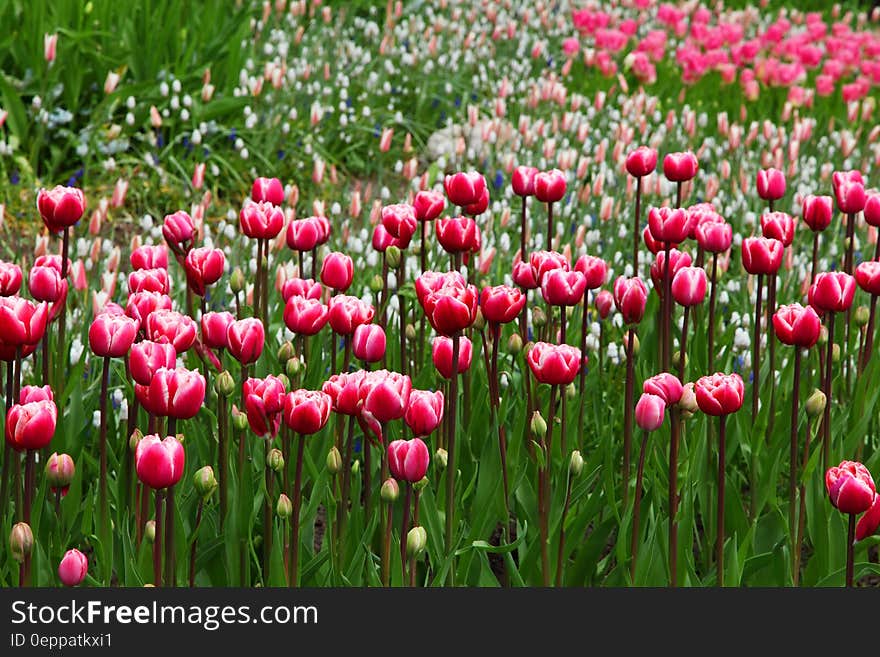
(628, 410)
(550, 226)
(802, 507)
(564, 396)
(404, 527)
(386, 544)
(223, 455)
(170, 579)
(450, 463)
(157, 541)
(28, 485)
(826, 417)
(637, 221)
(61, 350)
(869, 333)
(634, 541)
(523, 230)
(315, 263)
(44, 341)
(401, 313)
(7, 450)
(560, 550)
(793, 445)
(415, 523)
(192, 550)
(258, 281)
(771, 308)
(850, 549)
(756, 350)
(267, 516)
(342, 509)
(815, 264)
(423, 262)
(719, 540)
(494, 390)
(682, 352)
(266, 286)
(668, 307)
(582, 372)
(294, 517)
(102, 495)
(675, 434)
(712, 295)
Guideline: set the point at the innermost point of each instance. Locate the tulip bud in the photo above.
(636, 344)
(285, 351)
(421, 484)
(355, 467)
(479, 321)
(538, 317)
(284, 380)
(823, 336)
(576, 464)
(293, 367)
(284, 508)
(441, 458)
(835, 353)
(239, 420)
(334, 461)
(538, 425)
(204, 481)
(150, 531)
(224, 384)
(392, 256)
(60, 470)
(570, 391)
(515, 343)
(861, 316)
(416, 541)
(376, 283)
(134, 439)
(816, 403)
(236, 280)
(390, 491)
(676, 360)
(21, 541)
(410, 332)
(687, 404)
(275, 460)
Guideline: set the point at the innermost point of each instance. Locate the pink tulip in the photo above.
(428, 205)
(31, 425)
(305, 316)
(666, 386)
(264, 404)
(176, 328)
(147, 356)
(45, 284)
(148, 280)
(73, 568)
(523, 182)
(159, 463)
(385, 395)
(246, 338)
(368, 343)
(111, 336)
(501, 304)
(260, 220)
(563, 288)
(441, 355)
(408, 460)
(215, 329)
(689, 286)
(10, 280)
(347, 313)
(630, 297)
(680, 167)
(337, 271)
(641, 162)
(817, 212)
(425, 412)
(203, 267)
(850, 487)
(60, 207)
(150, 257)
(307, 411)
(301, 287)
(269, 190)
(771, 184)
(719, 394)
(555, 364)
(650, 410)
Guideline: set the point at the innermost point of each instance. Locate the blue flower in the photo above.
(499, 179)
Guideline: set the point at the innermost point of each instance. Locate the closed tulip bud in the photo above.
(150, 531)
(60, 207)
(422, 484)
(284, 508)
(570, 391)
(239, 420)
(416, 541)
(823, 336)
(835, 353)
(815, 404)
(355, 467)
(538, 425)
(334, 461)
(538, 317)
(236, 280)
(515, 343)
(410, 332)
(73, 568)
(676, 359)
(641, 161)
(285, 351)
(293, 367)
(441, 459)
(636, 344)
(275, 460)
(392, 256)
(550, 186)
(224, 384)
(861, 316)
(21, 541)
(337, 271)
(688, 402)
(390, 491)
(479, 320)
(60, 470)
(134, 439)
(204, 481)
(817, 212)
(576, 464)
(376, 283)
(284, 381)
(246, 339)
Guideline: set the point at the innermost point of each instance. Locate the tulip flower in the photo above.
(852, 491)
(550, 187)
(305, 316)
(368, 343)
(649, 413)
(424, 413)
(147, 357)
(337, 271)
(148, 280)
(142, 304)
(679, 168)
(73, 568)
(301, 287)
(149, 257)
(246, 338)
(408, 460)
(720, 395)
(178, 229)
(451, 308)
(688, 289)
(173, 393)
(464, 188)
(215, 329)
(639, 163)
(458, 234)
(441, 355)
(60, 207)
(203, 267)
(868, 278)
(817, 212)
(771, 185)
(523, 183)
(501, 304)
(10, 280)
(303, 235)
(400, 222)
(267, 190)
(60, 470)
(347, 313)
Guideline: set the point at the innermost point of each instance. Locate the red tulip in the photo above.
(382, 239)
(264, 404)
(464, 188)
(111, 336)
(178, 229)
(215, 329)
(679, 167)
(324, 229)
(594, 269)
(556, 364)
(203, 267)
(143, 304)
(850, 487)
(431, 281)
(10, 279)
(868, 523)
(305, 316)
(385, 395)
(719, 394)
(428, 205)
(714, 237)
(545, 261)
(307, 411)
(796, 325)
(666, 386)
(60, 207)
(150, 257)
(641, 161)
(425, 411)
(689, 286)
(22, 322)
(45, 284)
(778, 225)
(703, 213)
(671, 225)
(478, 207)
(771, 184)
(832, 292)
(408, 460)
(604, 303)
(337, 271)
(563, 288)
(523, 182)
(872, 209)
(441, 355)
(524, 275)
(650, 410)
(550, 186)
(458, 234)
(501, 304)
(31, 425)
(260, 220)
(303, 234)
(400, 222)
(246, 338)
(73, 568)
(630, 297)
(147, 357)
(868, 277)
(344, 391)
(677, 260)
(148, 280)
(30, 394)
(177, 393)
(269, 190)
(761, 255)
(452, 308)
(368, 343)
(817, 212)
(301, 287)
(178, 329)
(653, 245)
(159, 463)
(347, 313)
(849, 191)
